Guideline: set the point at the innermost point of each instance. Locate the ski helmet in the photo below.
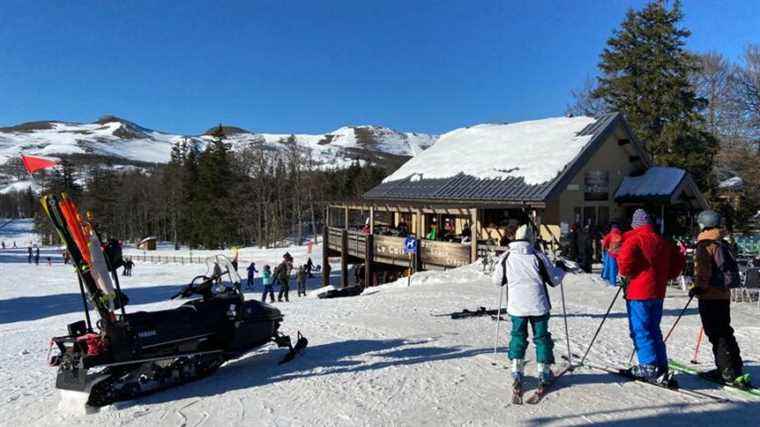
(708, 219)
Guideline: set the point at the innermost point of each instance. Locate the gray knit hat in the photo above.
(640, 217)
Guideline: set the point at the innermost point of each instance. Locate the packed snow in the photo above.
(534, 150)
(386, 357)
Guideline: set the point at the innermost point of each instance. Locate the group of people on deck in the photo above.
(641, 261)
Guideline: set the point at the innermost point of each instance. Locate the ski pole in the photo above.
(583, 359)
(699, 342)
(562, 293)
(564, 318)
(498, 320)
(672, 328)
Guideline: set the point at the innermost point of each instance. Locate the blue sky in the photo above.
(313, 66)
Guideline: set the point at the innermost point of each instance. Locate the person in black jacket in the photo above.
(282, 276)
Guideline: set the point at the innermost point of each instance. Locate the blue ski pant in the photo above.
(644, 326)
(542, 339)
(610, 272)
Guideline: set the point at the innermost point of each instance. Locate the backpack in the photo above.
(725, 270)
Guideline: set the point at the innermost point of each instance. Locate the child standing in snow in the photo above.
(251, 275)
(301, 281)
(266, 280)
(526, 271)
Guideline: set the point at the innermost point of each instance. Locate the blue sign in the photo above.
(410, 245)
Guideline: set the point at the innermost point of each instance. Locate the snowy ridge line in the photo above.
(119, 138)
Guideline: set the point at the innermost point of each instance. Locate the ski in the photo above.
(480, 311)
(544, 389)
(691, 393)
(517, 393)
(683, 368)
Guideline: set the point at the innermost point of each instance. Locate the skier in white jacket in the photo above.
(528, 271)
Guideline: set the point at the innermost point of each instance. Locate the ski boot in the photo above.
(545, 375)
(652, 374)
(728, 377)
(518, 366)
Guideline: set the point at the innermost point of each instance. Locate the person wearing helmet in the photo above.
(647, 261)
(716, 272)
(527, 271)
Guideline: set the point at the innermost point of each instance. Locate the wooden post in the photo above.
(325, 255)
(371, 220)
(368, 253)
(345, 220)
(418, 256)
(344, 259)
(473, 235)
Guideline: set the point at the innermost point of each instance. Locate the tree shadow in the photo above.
(335, 358)
(673, 414)
(22, 309)
(21, 256)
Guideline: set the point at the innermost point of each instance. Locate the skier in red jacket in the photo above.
(647, 261)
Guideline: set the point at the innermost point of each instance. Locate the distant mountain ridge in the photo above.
(122, 142)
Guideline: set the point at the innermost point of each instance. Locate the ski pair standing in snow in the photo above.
(526, 271)
(716, 272)
(647, 261)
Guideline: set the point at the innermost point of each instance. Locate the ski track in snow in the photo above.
(377, 359)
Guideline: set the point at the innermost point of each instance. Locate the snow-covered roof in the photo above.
(536, 151)
(659, 183)
(501, 163)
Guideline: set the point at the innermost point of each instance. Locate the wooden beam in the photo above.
(368, 261)
(473, 235)
(325, 255)
(344, 259)
(371, 220)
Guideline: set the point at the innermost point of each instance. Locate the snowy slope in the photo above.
(381, 358)
(535, 150)
(124, 141)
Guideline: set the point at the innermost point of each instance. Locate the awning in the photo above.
(661, 185)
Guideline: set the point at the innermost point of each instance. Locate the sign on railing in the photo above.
(444, 254)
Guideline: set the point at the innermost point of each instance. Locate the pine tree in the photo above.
(645, 74)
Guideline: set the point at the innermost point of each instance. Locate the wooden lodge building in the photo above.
(467, 193)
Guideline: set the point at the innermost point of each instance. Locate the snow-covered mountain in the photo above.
(121, 142)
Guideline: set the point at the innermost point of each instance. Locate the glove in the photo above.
(695, 291)
(623, 282)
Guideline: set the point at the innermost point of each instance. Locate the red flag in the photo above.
(35, 163)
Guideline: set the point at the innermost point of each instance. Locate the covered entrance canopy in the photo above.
(664, 188)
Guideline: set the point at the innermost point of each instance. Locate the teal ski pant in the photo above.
(541, 338)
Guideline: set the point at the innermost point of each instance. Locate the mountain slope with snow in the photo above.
(120, 141)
